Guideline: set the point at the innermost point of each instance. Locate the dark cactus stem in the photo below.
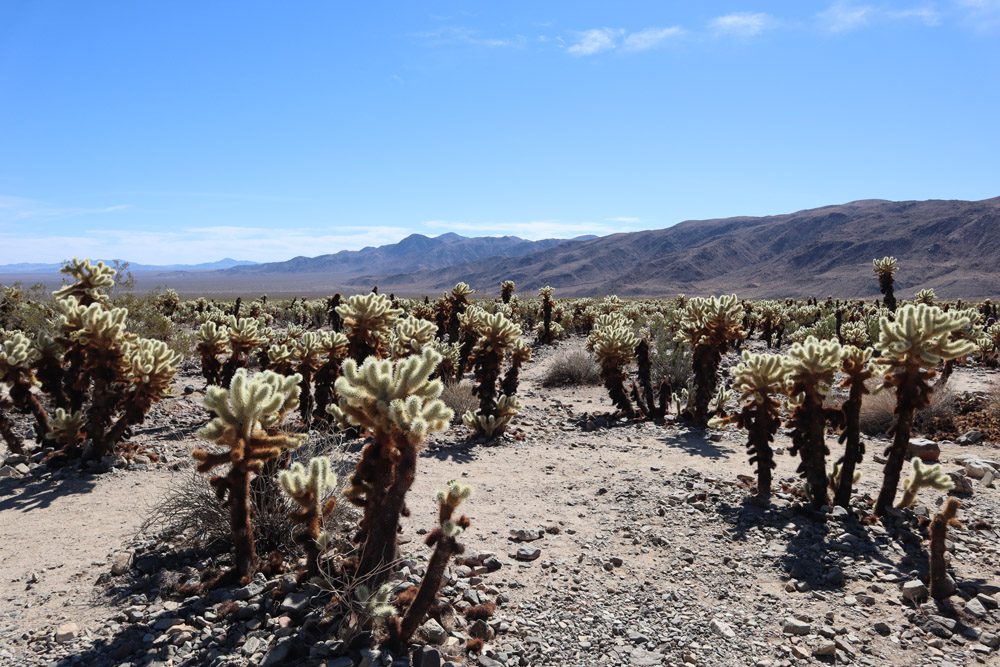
(912, 393)
(854, 448)
(332, 316)
(761, 425)
(14, 444)
(445, 548)
(946, 371)
(99, 414)
(306, 402)
(211, 367)
(236, 306)
(75, 381)
(767, 332)
(27, 402)
(809, 442)
(237, 360)
(940, 586)
(464, 352)
(50, 373)
(614, 382)
(323, 393)
(705, 360)
(839, 315)
(487, 370)
(240, 512)
(885, 285)
(506, 292)
(511, 379)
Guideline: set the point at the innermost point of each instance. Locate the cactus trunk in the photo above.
(383, 508)
(854, 449)
(940, 586)
(907, 398)
(706, 360)
(245, 550)
(761, 431)
(7, 432)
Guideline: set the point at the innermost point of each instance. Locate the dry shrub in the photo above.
(572, 369)
(877, 413)
(191, 514)
(459, 397)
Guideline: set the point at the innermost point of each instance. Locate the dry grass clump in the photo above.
(572, 369)
(877, 413)
(191, 514)
(938, 418)
(459, 397)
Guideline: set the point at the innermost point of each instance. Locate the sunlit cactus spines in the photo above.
(810, 368)
(310, 488)
(18, 355)
(925, 296)
(367, 321)
(308, 359)
(496, 336)
(396, 405)
(507, 290)
(66, 429)
(547, 331)
(613, 344)
(245, 334)
(919, 338)
(885, 269)
(924, 476)
(213, 343)
(857, 367)
(855, 333)
(247, 426)
(941, 585)
(335, 349)
(457, 303)
(90, 281)
(444, 540)
(758, 380)
(281, 359)
(711, 326)
(411, 336)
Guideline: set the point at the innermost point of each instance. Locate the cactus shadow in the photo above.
(819, 552)
(696, 443)
(463, 451)
(41, 493)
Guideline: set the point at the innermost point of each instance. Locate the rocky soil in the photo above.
(630, 544)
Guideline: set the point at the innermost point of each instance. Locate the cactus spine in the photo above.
(310, 490)
(397, 406)
(248, 426)
(911, 345)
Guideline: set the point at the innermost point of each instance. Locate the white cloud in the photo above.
(650, 38)
(595, 40)
(926, 15)
(16, 209)
(843, 16)
(742, 24)
(458, 35)
(980, 14)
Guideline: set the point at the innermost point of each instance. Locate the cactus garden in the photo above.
(377, 480)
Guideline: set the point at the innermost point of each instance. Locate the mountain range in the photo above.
(952, 246)
(29, 268)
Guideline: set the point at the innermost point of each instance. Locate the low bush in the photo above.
(571, 369)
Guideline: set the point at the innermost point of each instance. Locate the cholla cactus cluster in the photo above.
(247, 425)
(368, 320)
(857, 367)
(885, 269)
(397, 406)
(924, 476)
(613, 343)
(912, 344)
(496, 338)
(310, 489)
(711, 326)
(213, 343)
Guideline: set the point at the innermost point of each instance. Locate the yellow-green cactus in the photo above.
(913, 343)
(613, 344)
(924, 476)
(397, 405)
(710, 325)
(89, 280)
(855, 333)
(810, 368)
(926, 296)
(247, 425)
(496, 335)
(885, 269)
(310, 489)
(67, 429)
(368, 320)
(411, 336)
(213, 342)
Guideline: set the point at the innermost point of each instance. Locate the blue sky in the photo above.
(188, 131)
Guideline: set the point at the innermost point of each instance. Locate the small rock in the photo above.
(528, 553)
(433, 631)
(120, 563)
(914, 590)
(825, 649)
(67, 632)
(793, 626)
(722, 629)
(926, 450)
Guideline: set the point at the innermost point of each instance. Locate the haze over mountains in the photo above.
(27, 268)
(950, 245)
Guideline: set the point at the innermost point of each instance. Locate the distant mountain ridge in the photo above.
(27, 267)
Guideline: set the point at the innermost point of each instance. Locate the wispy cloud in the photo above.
(981, 15)
(17, 209)
(741, 24)
(650, 38)
(848, 16)
(450, 35)
(600, 40)
(595, 40)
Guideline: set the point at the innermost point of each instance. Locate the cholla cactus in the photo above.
(89, 279)
(17, 356)
(885, 269)
(457, 303)
(368, 321)
(759, 379)
(281, 359)
(507, 291)
(335, 349)
(397, 406)
(444, 539)
(66, 429)
(519, 354)
(470, 322)
(711, 325)
(810, 368)
(771, 315)
(496, 336)
(941, 586)
(411, 336)
(213, 342)
(917, 340)
(311, 491)
(613, 343)
(309, 358)
(857, 368)
(247, 424)
(245, 334)
(924, 476)
(925, 296)
(546, 332)
(854, 333)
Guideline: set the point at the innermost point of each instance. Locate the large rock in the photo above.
(924, 449)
